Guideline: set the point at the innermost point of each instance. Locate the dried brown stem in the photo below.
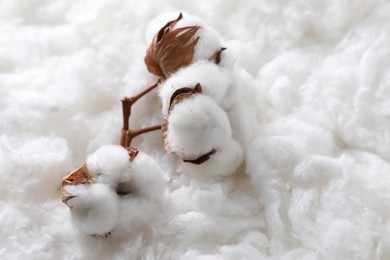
(131, 134)
(127, 102)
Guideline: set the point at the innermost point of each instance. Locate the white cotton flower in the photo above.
(217, 82)
(199, 128)
(94, 208)
(209, 40)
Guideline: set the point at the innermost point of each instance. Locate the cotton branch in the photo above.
(128, 134)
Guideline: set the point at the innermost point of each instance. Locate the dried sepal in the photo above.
(171, 49)
(201, 159)
(79, 176)
(183, 93)
(216, 57)
(133, 152)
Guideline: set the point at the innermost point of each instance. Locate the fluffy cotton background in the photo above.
(316, 184)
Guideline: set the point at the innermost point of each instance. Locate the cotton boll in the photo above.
(196, 126)
(108, 164)
(209, 40)
(127, 194)
(216, 82)
(94, 208)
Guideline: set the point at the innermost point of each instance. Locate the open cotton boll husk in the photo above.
(108, 164)
(217, 82)
(94, 208)
(209, 41)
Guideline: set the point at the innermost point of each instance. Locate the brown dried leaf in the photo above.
(201, 159)
(171, 49)
(216, 58)
(78, 176)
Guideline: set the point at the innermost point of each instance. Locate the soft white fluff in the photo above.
(228, 157)
(196, 126)
(109, 165)
(217, 82)
(316, 82)
(126, 195)
(94, 208)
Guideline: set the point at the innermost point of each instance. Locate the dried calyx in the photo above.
(171, 48)
(79, 176)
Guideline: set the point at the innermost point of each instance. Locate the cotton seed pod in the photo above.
(108, 164)
(179, 42)
(110, 181)
(217, 82)
(196, 128)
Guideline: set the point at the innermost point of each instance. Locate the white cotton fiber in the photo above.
(209, 40)
(315, 90)
(146, 196)
(136, 214)
(94, 208)
(108, 164)
(228, 157)
(125, 197)
(217, 82)
(196, 126)
(147, 178)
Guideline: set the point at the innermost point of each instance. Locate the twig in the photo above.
(127, 135)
